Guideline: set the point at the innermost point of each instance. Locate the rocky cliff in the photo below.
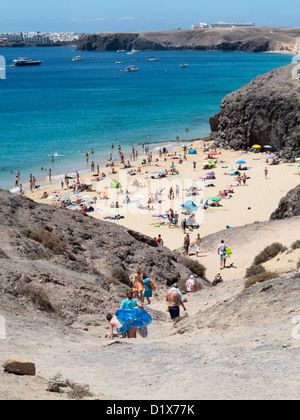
(266, 112)
(251, 39)
(71, 266)
(288, 206)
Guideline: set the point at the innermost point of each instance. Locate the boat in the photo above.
(24, 61)
(118, 62)
(78, 58)
(131, 68)
(183, 65)
(152, 59)
(133, 51)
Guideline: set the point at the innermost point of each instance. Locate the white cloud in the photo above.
(126, 18)
(89, 20)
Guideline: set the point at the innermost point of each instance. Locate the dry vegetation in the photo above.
(269, 253)
(193, 265)
(48, 240)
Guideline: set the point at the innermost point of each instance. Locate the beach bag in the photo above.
(152, 285)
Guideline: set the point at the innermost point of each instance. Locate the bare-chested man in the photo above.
(113, 323)
(174, 301)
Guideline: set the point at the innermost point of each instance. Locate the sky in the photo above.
(90, 16)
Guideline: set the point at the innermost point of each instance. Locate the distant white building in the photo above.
(202, 25)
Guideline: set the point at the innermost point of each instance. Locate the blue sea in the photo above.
(64, 108)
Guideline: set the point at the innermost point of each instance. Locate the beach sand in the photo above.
(249, 203)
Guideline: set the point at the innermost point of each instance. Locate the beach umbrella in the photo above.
(267, 146)
(115, 184)
(190, 205)
(210, 173)
(240, 161)
(215, 199)
(211, 153)
(103, 194)
(65, 199)
(256, 146)
(298, 158)
(233, 168)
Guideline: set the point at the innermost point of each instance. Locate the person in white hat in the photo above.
(190, 284)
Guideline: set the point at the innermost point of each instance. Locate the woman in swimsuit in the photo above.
(138, 284)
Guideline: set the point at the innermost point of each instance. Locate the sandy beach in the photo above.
(249, 202)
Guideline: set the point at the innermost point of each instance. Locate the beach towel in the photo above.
(174, 289)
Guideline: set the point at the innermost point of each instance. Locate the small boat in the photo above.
(118, 62)
(133, 51)
(24, 61)
(131, 68)
(182, 65)
(78, 58)
(152, 59)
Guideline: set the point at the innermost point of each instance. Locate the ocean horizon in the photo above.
(64, 108)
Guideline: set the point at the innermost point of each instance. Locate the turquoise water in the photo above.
(65, 108)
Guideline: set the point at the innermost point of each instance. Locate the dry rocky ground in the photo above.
(231, 343)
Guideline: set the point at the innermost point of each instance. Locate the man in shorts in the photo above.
(174, 301)
(223, 254)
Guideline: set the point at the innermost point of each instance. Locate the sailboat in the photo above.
(132, 67)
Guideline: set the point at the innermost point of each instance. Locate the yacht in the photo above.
(131, 68)
(78, 58)
(24, 61)
(133, 51)
(152, 59)
(183, 65)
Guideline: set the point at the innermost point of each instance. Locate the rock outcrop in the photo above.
(69, 266)
(266, 112)
(250, 39)
(288, 206)
(19, 365)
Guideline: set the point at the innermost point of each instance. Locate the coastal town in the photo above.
(40, 37)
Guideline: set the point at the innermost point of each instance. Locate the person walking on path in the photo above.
(138, 284)
(147, 293)
(131, 302)
(174, 301)
(266, 172)
(198, 241)
(223, 254)
(186, 245)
